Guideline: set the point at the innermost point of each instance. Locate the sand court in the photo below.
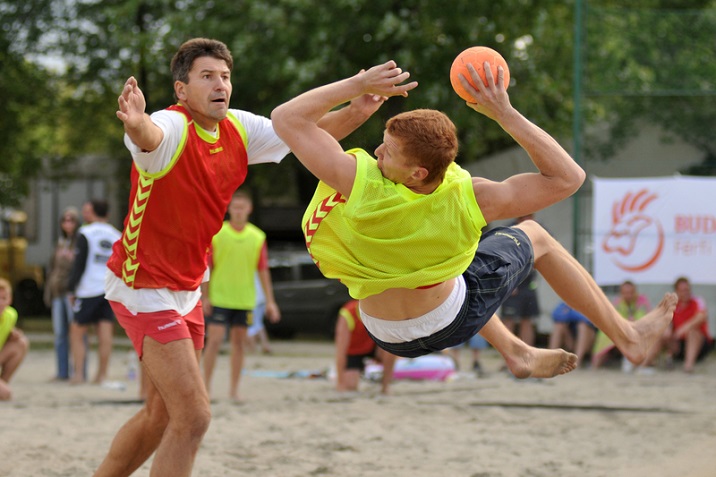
(587, 423)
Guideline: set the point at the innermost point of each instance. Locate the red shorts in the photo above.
(162, 326)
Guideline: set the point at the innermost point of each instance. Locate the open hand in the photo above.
(492, 100)
(273, 314)
(385, 80)
(131, 104)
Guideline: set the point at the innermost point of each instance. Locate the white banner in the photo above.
(654, 230)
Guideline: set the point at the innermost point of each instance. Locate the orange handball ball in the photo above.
(477, 56)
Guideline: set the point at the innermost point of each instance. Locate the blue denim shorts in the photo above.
(502, 261)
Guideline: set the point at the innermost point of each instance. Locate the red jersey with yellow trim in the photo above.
(361, 342)
(173, 214)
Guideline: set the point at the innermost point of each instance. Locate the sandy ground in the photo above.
(586, 424)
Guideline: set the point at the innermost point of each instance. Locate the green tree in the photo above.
(26, 132)
(287, 46)
(652, 62)
(283, 47)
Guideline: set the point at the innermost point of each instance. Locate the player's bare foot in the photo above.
(542, 363)
(649, 329)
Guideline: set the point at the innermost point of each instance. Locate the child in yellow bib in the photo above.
(13, 343)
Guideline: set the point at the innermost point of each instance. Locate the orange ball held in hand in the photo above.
(477, 56)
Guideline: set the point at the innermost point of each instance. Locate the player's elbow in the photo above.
(280, 120)
(573, 179)
(289, 125)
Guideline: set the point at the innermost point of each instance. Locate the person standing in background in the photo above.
(94, 247)
(256, 334)
(238, 253)
(56, 293)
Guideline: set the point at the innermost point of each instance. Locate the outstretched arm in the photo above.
(137, 124)
(558, 177)
(297, 121)
(340, 123)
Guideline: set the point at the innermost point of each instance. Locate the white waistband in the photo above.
(423, 326)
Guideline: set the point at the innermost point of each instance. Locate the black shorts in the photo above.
(230, 317)
(502, 261)
(357, 361)
(92, 310)
(522, 304)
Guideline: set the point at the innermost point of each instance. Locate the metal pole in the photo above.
(577, 119)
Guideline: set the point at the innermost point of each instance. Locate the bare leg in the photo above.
(527, 331)
(174, 418)
(560, 336)
(388, 362)
(79, 351)
(238, 338)
(510, 323)
(144, 383)
(11, 356)
(214, 338)
(526, 361)
(577, 288)
(349, 380)
(693, 343)
(137, 440)
(105, 330)
(264, 340)
(5, 391)
(585, 340)
(251, 343)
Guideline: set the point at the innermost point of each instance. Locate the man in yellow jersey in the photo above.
(402, 232)
(239, 252)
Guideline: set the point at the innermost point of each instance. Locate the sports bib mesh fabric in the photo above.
(387, 236)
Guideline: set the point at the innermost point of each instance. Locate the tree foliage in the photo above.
(652, 62)
(283, 47)
(26, 132)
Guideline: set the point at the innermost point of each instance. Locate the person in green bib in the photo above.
(13, 342)
(403, 230)
(238, 253)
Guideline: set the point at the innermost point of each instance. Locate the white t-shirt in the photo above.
(263, 146)
(100, 238)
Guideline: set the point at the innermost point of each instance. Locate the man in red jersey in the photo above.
(188, 161)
